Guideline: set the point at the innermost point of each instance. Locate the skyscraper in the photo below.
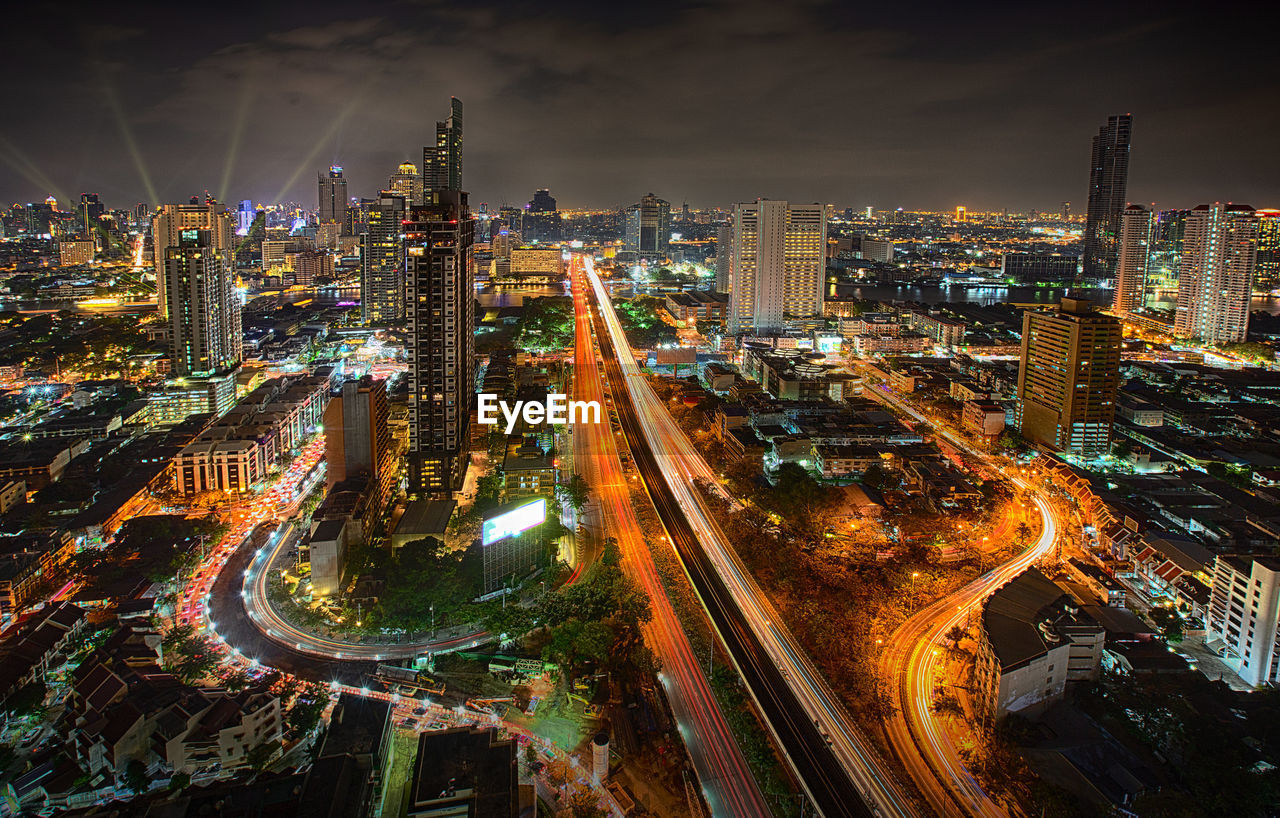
(91, 210)
(1166, 249)
(1267, 268)
(333, 197)
(166, 230)
(442, 162)
(724, 256)
(541, 221)
(778, 264)
(648, 227)
(1108, 182)
(1068, 378)
(406, 182)
(204, 310)
(440, 307)
(1135, 252)
(382, 261)
(1215, 276)
(244, 217)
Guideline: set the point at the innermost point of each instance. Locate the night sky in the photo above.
(892, 105)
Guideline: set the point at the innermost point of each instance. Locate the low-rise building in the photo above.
(464, 772)
(983, 417)
(1034, 640)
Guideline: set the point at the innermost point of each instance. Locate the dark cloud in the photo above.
(889, 105)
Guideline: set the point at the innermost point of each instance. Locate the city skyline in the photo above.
(960, 126)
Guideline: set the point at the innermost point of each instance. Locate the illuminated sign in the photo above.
(521, 518)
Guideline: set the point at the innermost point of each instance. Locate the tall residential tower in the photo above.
(333, 197)
(382, 261)
(205, 335)
(1215, 274)
(777, 266)
(1108, 182)
(648, 227)
(1135, 254)
(442, 162)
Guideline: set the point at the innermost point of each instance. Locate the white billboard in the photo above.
(521, 518)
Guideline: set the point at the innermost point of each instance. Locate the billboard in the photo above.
(510, 523)
(676, 355)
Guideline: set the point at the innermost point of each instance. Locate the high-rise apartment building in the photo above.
(357, 439)
(724, 256)
(440, 310)
(1166, 249)
(244, 217)
(1136, 225)
(1266, 277)
(333, 197)
(406, 182)
(169, 223)
(648, 227)
(1244, 613)
(777, 267)
(1068, 378)
(1108, 183)
(204, 309)
(442, 162)
(1215, 274)
(382, 261)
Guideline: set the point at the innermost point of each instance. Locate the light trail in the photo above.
(728, 784)
(680, 465)
(912, 661)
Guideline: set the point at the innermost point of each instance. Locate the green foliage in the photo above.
(135, 777)
(188, 655)
(179, 782)
(425, 574)
(640, 320)
(260, 756)
(546, 323)
(1168, 621)
(576, 492)
(309, 702)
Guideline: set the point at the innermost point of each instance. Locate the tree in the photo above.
(260, 756)
(135, 777)
(576, 493)
(530, 754)
(1023, 531)
(585, 804)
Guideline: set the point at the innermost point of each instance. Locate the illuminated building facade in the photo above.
(1215, 275)
(204, 308)
(169, 222)
(406, 182)
(442, 162)
(1068, 378)
(382, 261)
(777, 264)
(1136, 226)
(648, 227)
(333, 197)
(440, 310)
(1108, 183)
(1267, 267)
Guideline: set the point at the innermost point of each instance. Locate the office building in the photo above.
(333, 197)
(1215, 273)
(382, 262)
(75, 251)
(1244, 613)
(1108, 184)
(1266, 277)
(406, 182)
(91, 210)
(541, 219)
(309, 265)
(724, 244)
(540, 262)
(778, 265)
(648, 227)
(1031, 269)
(244, 217)
(440, 307)
(357, 437)
(1136, 225)
(169, 222)
(442, 162)
(1068, 378)
(204, 308)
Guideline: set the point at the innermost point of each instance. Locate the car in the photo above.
(419, 711)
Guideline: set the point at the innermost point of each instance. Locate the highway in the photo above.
(914, 654)
(838, 769)
(727, 782)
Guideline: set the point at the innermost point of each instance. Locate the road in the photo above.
(728, 785)
(838, 769)
(914, 656)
